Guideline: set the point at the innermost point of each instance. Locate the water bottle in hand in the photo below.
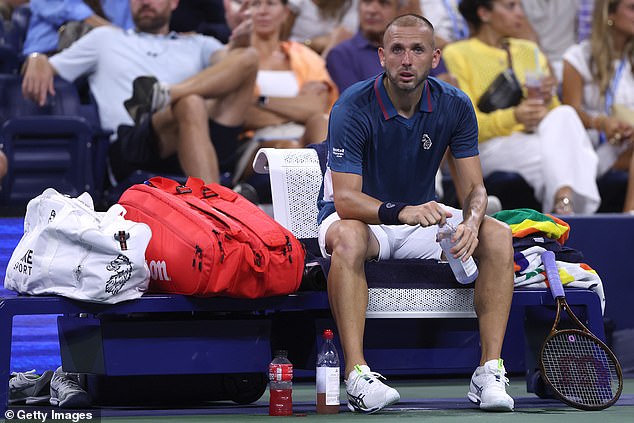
(465, 272)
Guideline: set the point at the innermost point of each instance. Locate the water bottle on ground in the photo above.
(328, 376)
(465, 272)
(281, 385)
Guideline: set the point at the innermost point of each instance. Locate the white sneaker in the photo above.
(366, 393)
(30, 388)
(66, 390)
(488, 387)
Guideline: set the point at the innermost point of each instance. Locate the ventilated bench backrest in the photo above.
(295, 185)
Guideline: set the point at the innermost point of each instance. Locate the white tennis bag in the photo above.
(69, 249)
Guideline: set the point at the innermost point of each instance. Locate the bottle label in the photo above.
(328, 381)
(469, 266)
(280, 372)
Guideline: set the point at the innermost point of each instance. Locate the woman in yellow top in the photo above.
(543, 141)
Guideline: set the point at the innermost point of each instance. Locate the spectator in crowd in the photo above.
(555, 26)
(49, 17)
(205, 17)
(294, 90)
(321, 24)
(598, 82)
(538, 138)
(372, 210)
(209, 96)
(356, 59)
(449, 25)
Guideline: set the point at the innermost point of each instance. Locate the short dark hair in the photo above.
(411, 19)
(469, 11)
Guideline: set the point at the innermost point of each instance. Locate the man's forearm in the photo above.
(475, 205)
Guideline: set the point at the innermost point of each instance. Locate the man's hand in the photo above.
(427, 214)
(37, 83)
(530, 113)
(467, 240)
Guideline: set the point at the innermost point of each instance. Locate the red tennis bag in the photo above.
(208, 240)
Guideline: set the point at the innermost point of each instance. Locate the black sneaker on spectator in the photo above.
(30, 388)
(148, 96)
(66, 390)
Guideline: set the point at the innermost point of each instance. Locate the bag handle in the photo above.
(210, 190)
(168, 185)
(507, 47)
(173, 187)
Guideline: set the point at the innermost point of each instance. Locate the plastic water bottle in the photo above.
(328, 376)
(465, 272)
(281, 385)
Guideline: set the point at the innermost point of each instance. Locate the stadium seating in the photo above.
(47, 146)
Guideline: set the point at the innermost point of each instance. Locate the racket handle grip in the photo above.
(556, 288)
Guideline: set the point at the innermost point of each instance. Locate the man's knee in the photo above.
(348, 240)
(496, 241)
(190, 108)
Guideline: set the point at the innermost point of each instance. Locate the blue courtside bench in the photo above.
(420, 320)
(108, 340)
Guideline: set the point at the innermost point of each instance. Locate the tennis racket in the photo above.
(580, 369)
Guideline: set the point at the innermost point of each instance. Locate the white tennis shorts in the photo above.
(399, 241)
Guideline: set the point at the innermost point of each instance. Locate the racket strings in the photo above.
(580, 369)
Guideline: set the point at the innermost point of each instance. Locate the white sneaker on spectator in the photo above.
(66, 390)
(366, 393)
(488, 387)
(30, 388)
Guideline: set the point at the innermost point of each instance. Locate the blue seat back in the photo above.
(47, 146)
(13, 104)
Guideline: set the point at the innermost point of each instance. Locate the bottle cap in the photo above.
(280, 353)
(328, 334)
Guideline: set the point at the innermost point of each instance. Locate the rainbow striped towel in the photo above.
(529, 269)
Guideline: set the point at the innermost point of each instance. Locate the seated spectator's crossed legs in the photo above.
(201, 117)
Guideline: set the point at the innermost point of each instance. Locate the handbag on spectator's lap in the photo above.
(505, 91)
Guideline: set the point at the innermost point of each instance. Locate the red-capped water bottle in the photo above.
(281, 385)
(328, 381)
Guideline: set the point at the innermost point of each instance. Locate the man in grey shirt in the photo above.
(211, 87)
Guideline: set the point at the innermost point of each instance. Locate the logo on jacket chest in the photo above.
(426, 142)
